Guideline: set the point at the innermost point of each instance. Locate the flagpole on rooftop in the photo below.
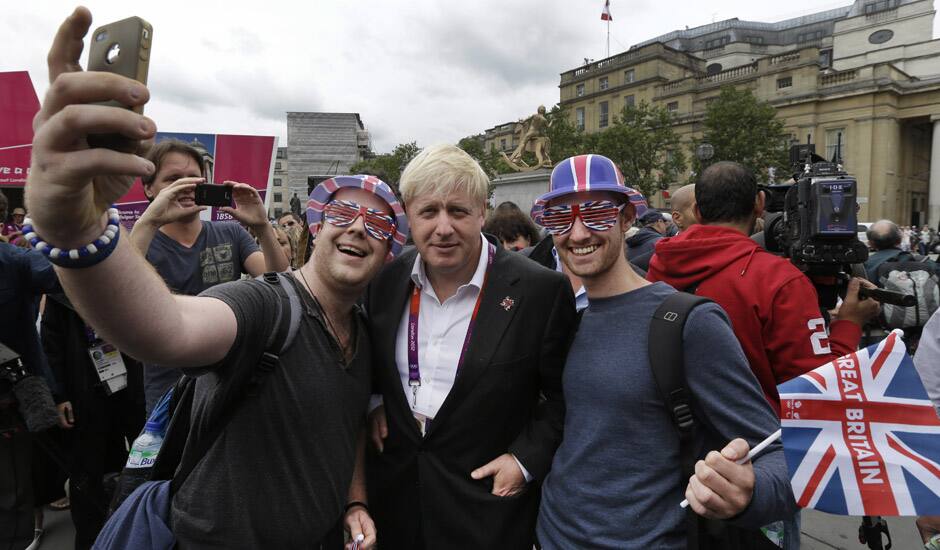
(605, 16)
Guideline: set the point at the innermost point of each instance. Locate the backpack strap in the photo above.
(667, 362)
(278, 340)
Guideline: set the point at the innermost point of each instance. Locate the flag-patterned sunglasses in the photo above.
(344, 213)
(596, 216)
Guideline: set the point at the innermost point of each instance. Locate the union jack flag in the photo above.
(860, 435)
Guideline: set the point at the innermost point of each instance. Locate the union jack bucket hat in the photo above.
(587, 173)
(322, 194)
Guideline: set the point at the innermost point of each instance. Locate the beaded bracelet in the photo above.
(76, 258)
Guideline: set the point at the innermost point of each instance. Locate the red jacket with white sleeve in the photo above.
(773, 307)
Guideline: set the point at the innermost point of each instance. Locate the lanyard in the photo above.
(414, 369)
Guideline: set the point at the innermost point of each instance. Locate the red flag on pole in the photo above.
(605, 15)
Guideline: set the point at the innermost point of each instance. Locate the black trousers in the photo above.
(16, 491)
(104, 426)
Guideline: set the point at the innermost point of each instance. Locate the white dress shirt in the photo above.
(442, 328)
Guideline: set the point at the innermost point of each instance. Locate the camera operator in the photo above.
(25, 275)
(773, 306)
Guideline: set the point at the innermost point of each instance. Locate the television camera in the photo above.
(812, 220)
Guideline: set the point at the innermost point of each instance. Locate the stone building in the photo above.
(280, 191)
(868, 73)
(501, 137)
(322, 144)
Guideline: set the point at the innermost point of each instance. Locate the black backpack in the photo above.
(169, 463)
(667, 362)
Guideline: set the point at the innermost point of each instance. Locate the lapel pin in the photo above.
(507, 303)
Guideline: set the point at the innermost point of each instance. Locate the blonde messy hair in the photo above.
(440, 170)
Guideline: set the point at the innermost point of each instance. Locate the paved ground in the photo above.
(820, 532)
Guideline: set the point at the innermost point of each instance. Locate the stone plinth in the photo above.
(521, 188)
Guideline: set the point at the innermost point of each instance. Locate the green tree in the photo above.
(642, 142)
(388, 167)
(491, 162)
(745, 130)
(567, 140)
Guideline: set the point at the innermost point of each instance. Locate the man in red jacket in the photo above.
(773, 306)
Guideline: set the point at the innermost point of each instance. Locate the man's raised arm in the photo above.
(68, 192)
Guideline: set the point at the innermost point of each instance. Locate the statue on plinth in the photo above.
(533, 138)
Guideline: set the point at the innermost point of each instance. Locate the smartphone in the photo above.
(123, 48)
(209, 194)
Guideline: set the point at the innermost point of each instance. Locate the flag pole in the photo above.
(608, 38)
(751, 454)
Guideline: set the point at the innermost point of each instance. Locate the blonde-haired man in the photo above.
(469, 344)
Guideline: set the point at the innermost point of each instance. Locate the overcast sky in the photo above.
(428, 71)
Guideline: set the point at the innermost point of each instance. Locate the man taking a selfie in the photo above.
(277, 476)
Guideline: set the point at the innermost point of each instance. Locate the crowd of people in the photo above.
(423, 372)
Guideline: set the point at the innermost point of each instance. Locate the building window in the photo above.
(502, 144)
(579, 90)
(713, 69)
(277, 197)
(602, 118)
(579, 118)
(278, 212)
(880, 37)
(277, 182)
(832, 141)
(277, 166)
(754, 39)
(672, 106)
(880, 5)
(809, 36)
(280, 153)
(602, 83)
(629, 76)
(784, 82)
(825, 59)
(717, 42)
(629, 101)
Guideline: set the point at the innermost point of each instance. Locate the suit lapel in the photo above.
(395, 299)
(501, 300)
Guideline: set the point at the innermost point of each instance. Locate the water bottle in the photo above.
(143, 453)
(146, 447)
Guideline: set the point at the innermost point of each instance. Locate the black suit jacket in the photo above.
(507, 397)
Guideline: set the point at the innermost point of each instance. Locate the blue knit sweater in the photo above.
(615, 480)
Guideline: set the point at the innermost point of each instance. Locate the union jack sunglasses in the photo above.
(343, 213)
(596, 216)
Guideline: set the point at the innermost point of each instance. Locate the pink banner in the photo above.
(18, 106)
(244, 159)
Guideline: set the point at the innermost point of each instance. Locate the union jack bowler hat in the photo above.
(322, 194)
(587, 173)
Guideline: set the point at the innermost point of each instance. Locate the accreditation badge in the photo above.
(110, 367)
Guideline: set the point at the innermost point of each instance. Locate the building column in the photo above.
(933, 192)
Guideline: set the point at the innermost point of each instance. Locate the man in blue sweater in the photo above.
(616, 479)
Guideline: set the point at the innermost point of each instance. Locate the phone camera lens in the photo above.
(113, 53)
(101, 36)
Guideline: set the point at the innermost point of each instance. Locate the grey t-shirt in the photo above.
(217, 256)
(616, 480)
(278, 475)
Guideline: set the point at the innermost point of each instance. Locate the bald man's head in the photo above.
(683, 207)
(884, 234)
